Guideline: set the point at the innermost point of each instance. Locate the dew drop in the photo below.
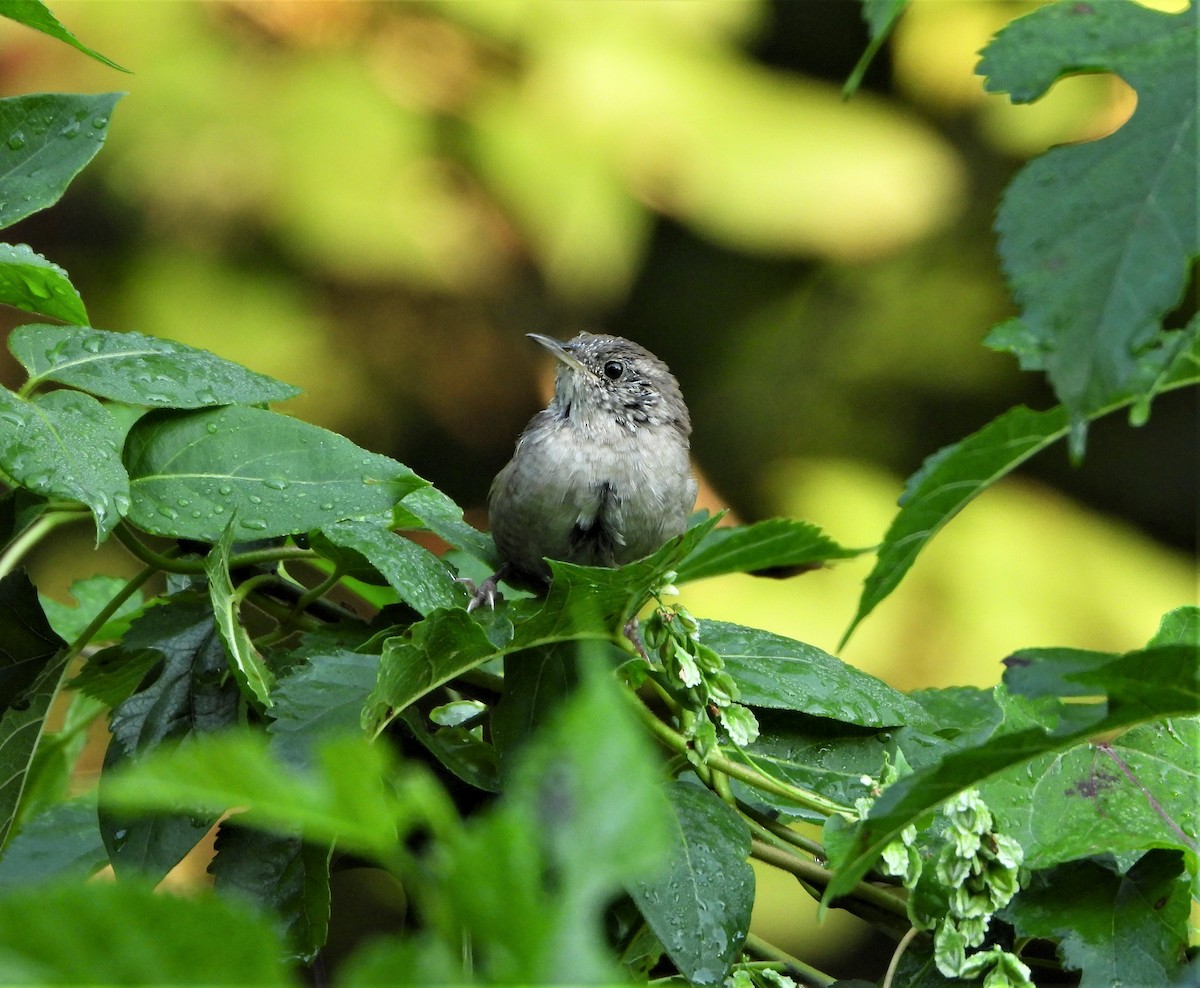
(16, 141)
(276, 483)
(93, 344)
(225, 490)
(99, 122)
(255, 499)
(212, 428)
(183, 502)
(70, 131)
(326, 505)
(255, 524)
(168, 512)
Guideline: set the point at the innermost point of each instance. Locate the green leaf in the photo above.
(417, 575)
(1124, 796)
(32, 662)
(126, 933)
(62, 841)
(881, 16)
(248, 667)
(66, 445)
(54, 768)
(1179, 627)
(283, 877)
(341, 798)
(91, 597)
(458, 751)
(1097, 238)
(428, 509)
(138, 370)
(773, 671)
(318, 700)
(45, 141)
(1139, 686)
(571, 832)
(698, 903)
(417, 959)
(775, 543)
(31, 283)
(190, 472)
(1115, 929)
(34, 14)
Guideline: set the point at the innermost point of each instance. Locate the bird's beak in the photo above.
(559, 350)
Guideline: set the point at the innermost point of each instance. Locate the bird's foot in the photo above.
(488, 592)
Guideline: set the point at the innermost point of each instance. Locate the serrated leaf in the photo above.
(45, 141)
(340, 798)
(34, 14)
(951, 478)
(107, 924)
(1124, 796)
(1115, 929)
(1097, 238)
(776, 542)
(66, 445)
(91, 597)
(321, 699)
(284, 877)
(62, 841)
(247, 664)
(33, 661)
(699, 902)
(31, 283)
(773, 671)
(139, 370)
(191, 471)
(416, 574)
(1140, 686)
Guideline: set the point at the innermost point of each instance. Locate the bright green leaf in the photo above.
(428, 509)
(698, 903)
(92, 596)
(34, 14)
(125, 933)
(65, 445)
(191, 472)
(248, 666)
(416, 574)
(1097, 238)
(139, 370)
(45, 141)
(31, 283)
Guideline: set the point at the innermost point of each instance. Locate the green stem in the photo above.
(108, 610)
(901, 947)
(722, 763)
(815, 874)
(759, 947)
(33, 534)
(783, 832)
(254, 557)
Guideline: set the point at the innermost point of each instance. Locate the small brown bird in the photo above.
(601, 476)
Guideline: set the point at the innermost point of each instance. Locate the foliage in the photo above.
(562, 794)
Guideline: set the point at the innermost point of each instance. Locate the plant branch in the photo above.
(815, 874)
(34, 533)
(759, 947)
(108, 610)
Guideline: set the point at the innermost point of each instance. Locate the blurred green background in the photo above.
(375, 201)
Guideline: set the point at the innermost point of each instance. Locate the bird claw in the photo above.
(486, 593)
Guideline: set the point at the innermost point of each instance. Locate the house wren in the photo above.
(601, 476)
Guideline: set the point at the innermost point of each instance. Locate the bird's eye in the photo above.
(613, 369)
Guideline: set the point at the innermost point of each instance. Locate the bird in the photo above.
(602, 475)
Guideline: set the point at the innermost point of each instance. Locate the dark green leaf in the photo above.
(1036, 672)
(777, 542)
(1097, 238)
(699, 904)
(34, 661)
(34, 14)
(284, 877)
(340, 798)
(126, 933)
(189, 695)
(92, 596)
(1140, 686)
(114, 674)
(536, 682)
(1115, 929)
(321, 699)
(190, 472)
(248, 667)
(139, 370)
(458, 751)
(773, 671)
(31, 283)
(62, 841)
(66, 445)
(45, 141)
(416, 574)
(53, 772)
